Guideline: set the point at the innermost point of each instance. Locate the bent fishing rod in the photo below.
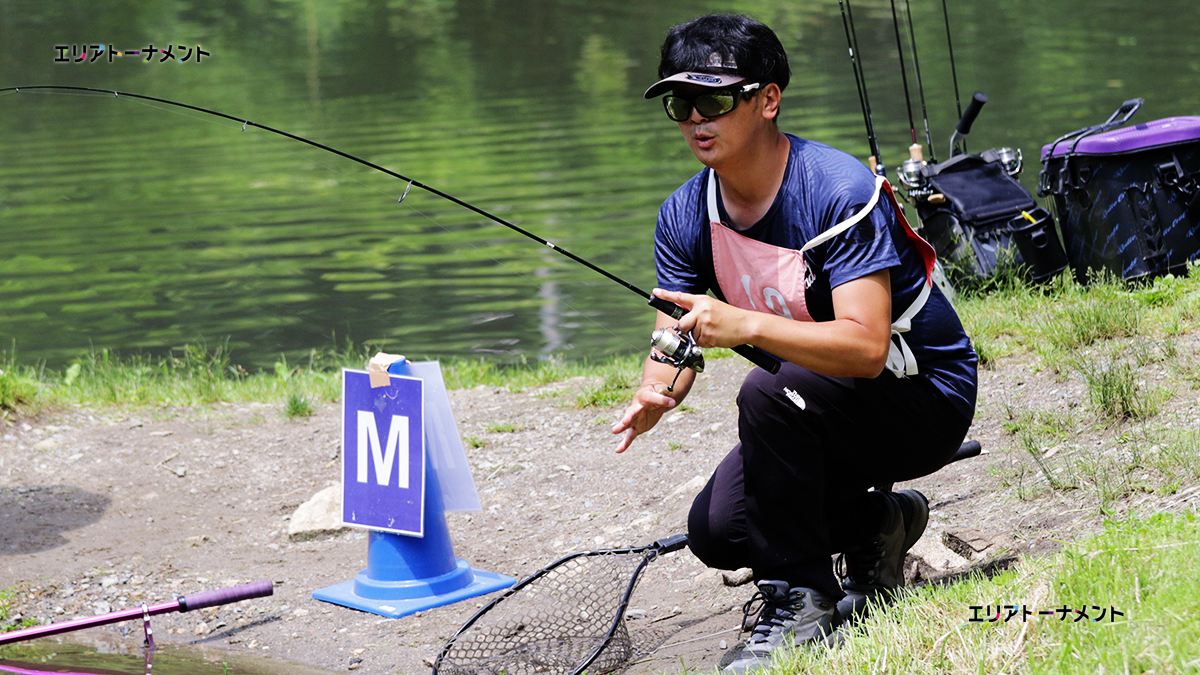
(755, 355)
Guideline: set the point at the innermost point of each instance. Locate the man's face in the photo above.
(718, 140)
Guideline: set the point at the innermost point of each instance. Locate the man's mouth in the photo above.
(704, 140)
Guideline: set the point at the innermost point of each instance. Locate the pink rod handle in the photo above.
(223, 596)
(200, 600)
(87, 622)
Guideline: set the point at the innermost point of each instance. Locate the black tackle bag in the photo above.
(981, 221)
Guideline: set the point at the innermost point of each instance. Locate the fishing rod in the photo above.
(184, 603)
(912, 36)
(860, 80)
(904, 74)
(953, 70)
(755, 355)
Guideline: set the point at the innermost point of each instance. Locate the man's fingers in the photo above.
(630, 434)
(684, 300)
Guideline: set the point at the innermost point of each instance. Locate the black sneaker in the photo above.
(873, 571)
(787, 617)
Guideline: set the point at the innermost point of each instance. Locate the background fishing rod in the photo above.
(912, 37)
(755, 355)
(953, 70)
(904, 76)
(860, 80)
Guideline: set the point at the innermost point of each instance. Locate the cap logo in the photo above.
(710, 79)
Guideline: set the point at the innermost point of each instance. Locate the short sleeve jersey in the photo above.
(822, 187)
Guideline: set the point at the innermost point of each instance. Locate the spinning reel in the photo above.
(676, 348)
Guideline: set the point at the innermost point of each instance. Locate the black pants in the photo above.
(795, 490)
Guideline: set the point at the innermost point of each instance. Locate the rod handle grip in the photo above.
(973, 108)
(753, 354)
(967, 450)
(224, 596)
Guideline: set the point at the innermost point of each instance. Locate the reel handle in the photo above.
(968, 118)
(755, 355)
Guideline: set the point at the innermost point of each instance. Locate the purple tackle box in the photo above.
(1126, 199)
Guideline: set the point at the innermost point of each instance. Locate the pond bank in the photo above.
(107, 507)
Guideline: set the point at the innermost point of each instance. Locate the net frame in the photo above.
(561, 620)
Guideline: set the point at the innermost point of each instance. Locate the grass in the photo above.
(298, 405)
(7, 624)
(1146, 569)
(1057, 319)
(199, 374)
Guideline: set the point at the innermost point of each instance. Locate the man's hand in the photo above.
(713, 323)
(648, 406)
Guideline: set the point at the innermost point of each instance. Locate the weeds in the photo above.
(1144, 569)
(298, 405)
(6, 625)
(1114, 391)
(502, 428)
(17, 387)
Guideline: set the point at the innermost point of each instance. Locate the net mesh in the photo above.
(552, 625)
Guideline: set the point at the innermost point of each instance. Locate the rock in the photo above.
(319, 515)
(48, 444)
(201, 628)
(939, 558)
(737, 577)
(970, 544)
(102, 607)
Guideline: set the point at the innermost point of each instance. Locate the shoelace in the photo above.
(864, 565)
(771, 611)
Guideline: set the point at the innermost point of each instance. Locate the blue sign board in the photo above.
(383, 454)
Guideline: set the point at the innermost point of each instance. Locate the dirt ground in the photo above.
(103, 509)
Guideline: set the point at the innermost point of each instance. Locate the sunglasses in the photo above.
(709, 104)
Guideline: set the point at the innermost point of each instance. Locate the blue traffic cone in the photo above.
(406, 574)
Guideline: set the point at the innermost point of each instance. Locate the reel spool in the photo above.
(675, 348)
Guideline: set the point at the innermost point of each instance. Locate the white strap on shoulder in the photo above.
(714, 215)
(849, 222)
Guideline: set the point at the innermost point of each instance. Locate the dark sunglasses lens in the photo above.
(712, 105)
(678, 109)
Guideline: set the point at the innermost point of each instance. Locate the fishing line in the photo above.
(912, 36)
(458, 236)
(903, 73)
(953, 70)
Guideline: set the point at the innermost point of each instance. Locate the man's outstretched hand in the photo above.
(648, 406)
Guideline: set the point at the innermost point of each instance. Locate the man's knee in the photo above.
(717, 520)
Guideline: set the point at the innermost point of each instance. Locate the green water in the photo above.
(136, 227)
(104, 654)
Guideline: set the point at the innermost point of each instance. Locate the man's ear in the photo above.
(771, 97)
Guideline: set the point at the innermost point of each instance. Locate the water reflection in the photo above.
(131, 227)
(104, 652)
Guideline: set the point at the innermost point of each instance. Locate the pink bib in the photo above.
(759, 277)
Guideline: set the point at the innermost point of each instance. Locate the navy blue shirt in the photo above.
(821, 188)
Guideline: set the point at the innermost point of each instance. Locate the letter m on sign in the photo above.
(382, 458)
(383, 454)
